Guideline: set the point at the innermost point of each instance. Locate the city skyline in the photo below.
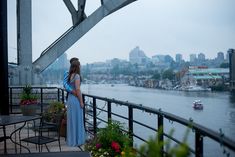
(156, 26)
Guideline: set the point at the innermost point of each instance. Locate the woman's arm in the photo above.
(67, 87)
(78, 91)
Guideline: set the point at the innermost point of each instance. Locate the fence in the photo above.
(93, 110)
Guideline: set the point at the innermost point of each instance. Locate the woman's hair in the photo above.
(74, 68)
(73, 59)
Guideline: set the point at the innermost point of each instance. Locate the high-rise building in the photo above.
(227, 57)
(158, 59)
(178, 58)
(192, 58)
(232, 68)
(138, 56)
(201, 57)
(61, 63)
(220, 56)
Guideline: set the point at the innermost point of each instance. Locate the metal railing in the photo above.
(93, 110)
(45, 96)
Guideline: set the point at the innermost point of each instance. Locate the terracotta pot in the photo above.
(28, 110)
(63, 128)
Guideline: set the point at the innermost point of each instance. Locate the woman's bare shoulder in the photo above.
(77, 76)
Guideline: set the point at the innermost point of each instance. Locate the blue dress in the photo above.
(75, 121)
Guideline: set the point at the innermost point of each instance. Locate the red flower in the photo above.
(28, 102)
(98, 146)
(115, 146)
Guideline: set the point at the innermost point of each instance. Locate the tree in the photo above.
(168, 74)
(156, 75)
(224, 65)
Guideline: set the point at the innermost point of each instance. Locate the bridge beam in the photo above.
(77, 15)
(62, 44)
(24, 41)
(29, 73)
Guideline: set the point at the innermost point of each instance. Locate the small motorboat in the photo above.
(197, 105)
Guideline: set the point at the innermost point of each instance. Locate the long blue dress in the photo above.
(75, 121)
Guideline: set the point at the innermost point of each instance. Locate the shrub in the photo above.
(55, 108)
(110, 141)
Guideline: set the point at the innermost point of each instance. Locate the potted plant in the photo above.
(55, 108)
(28, 101)
(56, 111)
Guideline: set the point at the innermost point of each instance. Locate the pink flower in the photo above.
(115, 146)
(98, 146)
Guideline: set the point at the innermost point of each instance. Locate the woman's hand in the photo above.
(82, 105)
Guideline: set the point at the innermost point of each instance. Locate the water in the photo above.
(218, 112)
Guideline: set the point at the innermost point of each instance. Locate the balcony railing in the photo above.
(93, 118)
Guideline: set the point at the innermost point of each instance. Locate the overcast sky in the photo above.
(156, 26)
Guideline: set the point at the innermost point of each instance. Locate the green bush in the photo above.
(55, 109)
(110, 141)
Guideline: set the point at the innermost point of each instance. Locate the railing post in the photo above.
(160, 132)
(109, 110)
(130, 112)
(84, 110)
(198, 144)
(41, 95)
(62, 91)
(58, 94)
(83, 98)
(11, 99)
(94, 115)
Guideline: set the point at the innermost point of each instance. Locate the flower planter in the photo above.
(63, 128)
(28, 110)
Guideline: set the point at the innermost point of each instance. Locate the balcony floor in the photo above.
(12, 148)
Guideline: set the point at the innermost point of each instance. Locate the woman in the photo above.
(75, 123)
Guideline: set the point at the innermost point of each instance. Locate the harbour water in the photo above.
(218, 112)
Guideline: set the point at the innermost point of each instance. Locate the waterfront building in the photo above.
(206, 77)
(231, 53)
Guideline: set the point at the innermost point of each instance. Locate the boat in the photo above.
(195, 88)
(197, 105)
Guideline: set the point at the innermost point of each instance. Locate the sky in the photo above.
(156, 26)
